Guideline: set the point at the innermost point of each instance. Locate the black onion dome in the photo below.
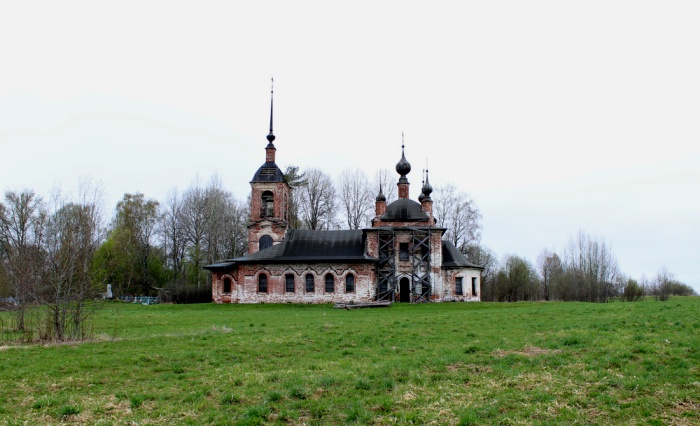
(380, 196)
(403, 167)
(427, 189)
(421, 197)
(270, 138)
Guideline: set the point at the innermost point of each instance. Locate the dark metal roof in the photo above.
(222, 264)
(308, 246)
(404, 209)
(268, 172)
(453, 258)
(327, 246)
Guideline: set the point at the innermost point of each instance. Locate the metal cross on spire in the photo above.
(271, 136)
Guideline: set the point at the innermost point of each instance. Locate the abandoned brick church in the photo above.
(401, 257)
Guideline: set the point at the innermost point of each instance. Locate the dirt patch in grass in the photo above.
(94, 339)
(6, 347)
(469, 367)
(408, 396)
(687, 408)
(531, 351)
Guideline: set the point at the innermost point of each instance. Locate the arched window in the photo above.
(265, 242)
(227, 285)
(268, 204)
(349, 283)
(289, 283)
(330, 283)
(310, 283)
(262, 283)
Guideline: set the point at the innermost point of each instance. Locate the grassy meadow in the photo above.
(454, 363)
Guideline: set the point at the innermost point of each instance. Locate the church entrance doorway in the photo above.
(404, 290)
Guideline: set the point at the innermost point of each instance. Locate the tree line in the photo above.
(585, 271)
(60, 252)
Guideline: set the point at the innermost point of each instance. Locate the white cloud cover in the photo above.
(555, 116)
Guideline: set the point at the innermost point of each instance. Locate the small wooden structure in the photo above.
(378, 304)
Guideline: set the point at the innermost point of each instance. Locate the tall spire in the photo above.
(271, 136)
(421, 197)
(270, 148)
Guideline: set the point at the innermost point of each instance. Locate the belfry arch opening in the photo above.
(268, 204)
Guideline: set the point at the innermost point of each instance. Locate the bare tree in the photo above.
(194, 220)
(22, 227)
(550, 267)
(355, 197)
(202, 226)
(225, 223)
(660, 284)
(318, 201)
(666, 285)
(73, 234)
(237, 228)
(173, 234)
(457, 212)
(216, 203)
(590, 270)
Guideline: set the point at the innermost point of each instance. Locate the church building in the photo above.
(401, 257)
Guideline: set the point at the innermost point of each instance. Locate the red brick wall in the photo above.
(403, 190)
(270, 154)
(245, 287)
(276, 226)
(427, 207)
(378, 222)
(372, 243)
(380, 208)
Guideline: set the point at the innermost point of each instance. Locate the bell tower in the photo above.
(269, 200)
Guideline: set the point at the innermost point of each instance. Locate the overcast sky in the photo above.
(555, 116)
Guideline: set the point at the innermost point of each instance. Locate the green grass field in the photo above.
(481, 363)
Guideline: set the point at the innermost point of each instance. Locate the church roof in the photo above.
(404, 209)
(268, 172)
(325, 246)
(453, 258)
(308, 246)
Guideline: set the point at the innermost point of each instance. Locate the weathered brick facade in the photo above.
(274, 225)
(245, 282)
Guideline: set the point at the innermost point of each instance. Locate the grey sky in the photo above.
(555, 116)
